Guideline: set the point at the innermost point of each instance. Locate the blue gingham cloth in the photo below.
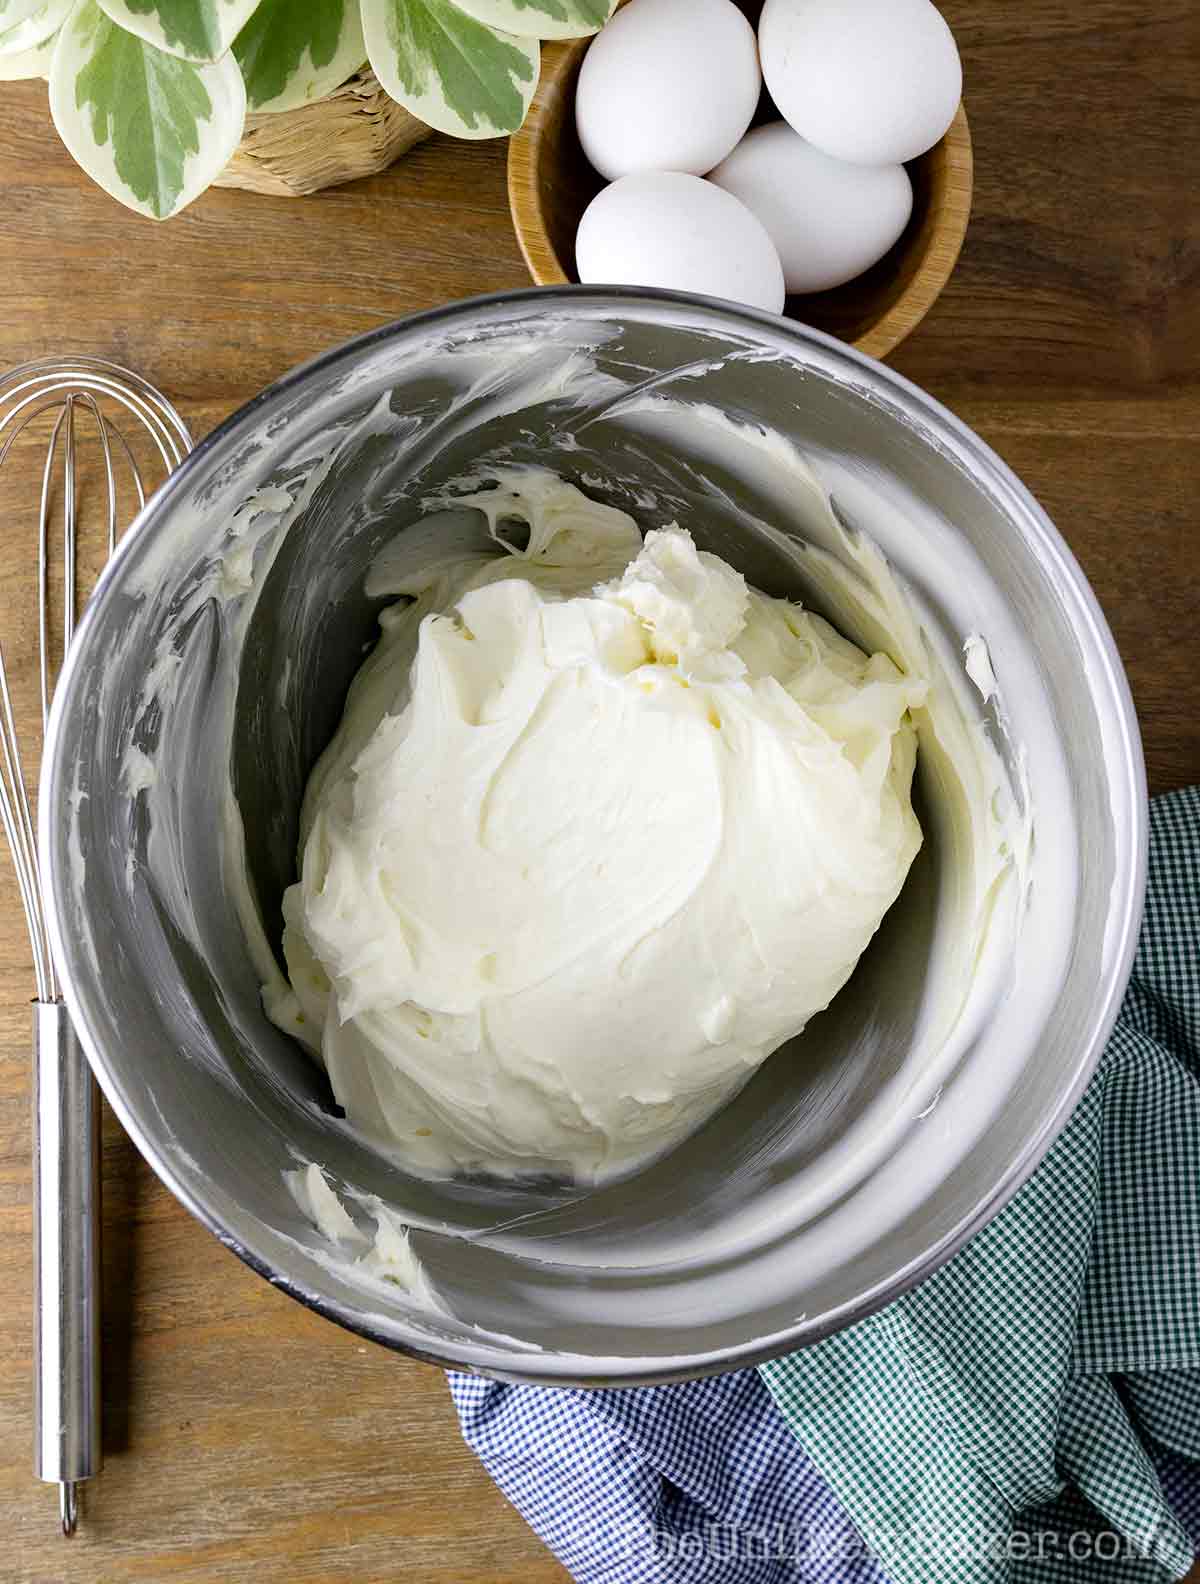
(701, 1483)
(1029, 1415)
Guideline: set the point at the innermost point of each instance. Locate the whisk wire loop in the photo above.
(86, 396)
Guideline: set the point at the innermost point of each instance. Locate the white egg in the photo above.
(828, 219)
(872, 81)
(668, 85)
(664, 228)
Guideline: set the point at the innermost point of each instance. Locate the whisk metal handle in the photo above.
(66, 1219)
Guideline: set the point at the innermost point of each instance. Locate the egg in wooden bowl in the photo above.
(551, 184)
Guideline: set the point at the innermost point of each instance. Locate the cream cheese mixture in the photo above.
(601, 828)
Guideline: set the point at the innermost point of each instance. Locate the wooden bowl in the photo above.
(550, 184)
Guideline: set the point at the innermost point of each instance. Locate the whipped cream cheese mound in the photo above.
(601, 828)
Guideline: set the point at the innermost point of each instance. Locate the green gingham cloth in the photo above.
(994, 1426)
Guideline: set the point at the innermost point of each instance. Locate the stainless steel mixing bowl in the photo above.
(221, 641)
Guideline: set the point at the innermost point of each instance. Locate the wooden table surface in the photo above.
(245, 1437)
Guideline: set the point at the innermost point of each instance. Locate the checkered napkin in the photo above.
(1029, 1413)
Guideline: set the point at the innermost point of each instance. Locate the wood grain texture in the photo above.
(246, 1438)
(550, 184)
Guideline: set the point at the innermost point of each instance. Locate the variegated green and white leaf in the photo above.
(195, 30)
(14, 11)
(152, 129)
(33, 62)
(448, 69)
(294, 51)
(20, 34)
(543, 19)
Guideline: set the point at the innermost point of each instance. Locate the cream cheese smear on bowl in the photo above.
(602, 827)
